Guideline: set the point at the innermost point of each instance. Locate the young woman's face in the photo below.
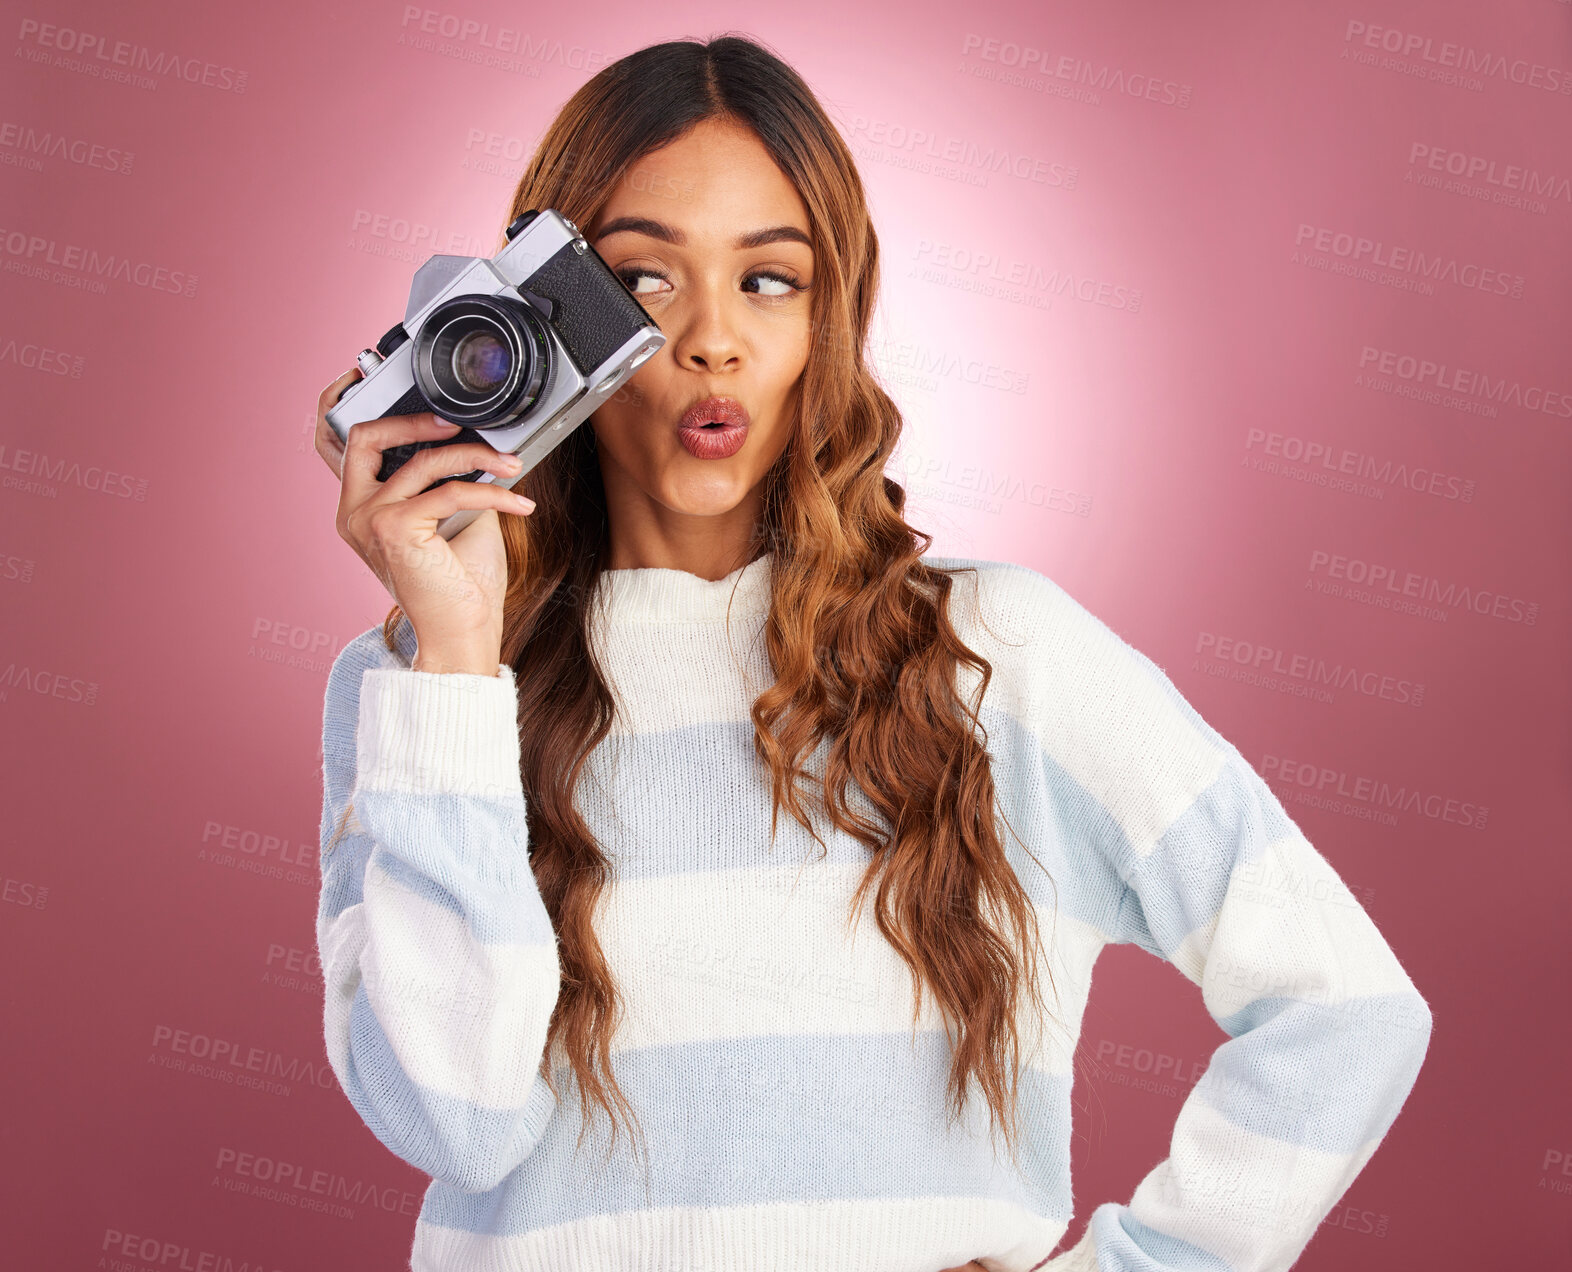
(713, 240)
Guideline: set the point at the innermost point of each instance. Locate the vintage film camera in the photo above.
(519, 350)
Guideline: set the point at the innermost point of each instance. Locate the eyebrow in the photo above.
(670, 234)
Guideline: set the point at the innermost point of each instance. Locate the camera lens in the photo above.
(482, 360)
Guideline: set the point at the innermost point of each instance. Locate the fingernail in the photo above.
(524, 503)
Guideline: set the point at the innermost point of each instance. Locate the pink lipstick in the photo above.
(714, 428)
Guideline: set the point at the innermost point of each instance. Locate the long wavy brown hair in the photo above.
(858, 634)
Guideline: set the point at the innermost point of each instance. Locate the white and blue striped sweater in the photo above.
(794, 1120)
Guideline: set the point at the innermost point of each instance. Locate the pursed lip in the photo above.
(725, 410)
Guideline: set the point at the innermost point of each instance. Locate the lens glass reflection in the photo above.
(481, 361)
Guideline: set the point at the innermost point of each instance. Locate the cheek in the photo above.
(787, 354)
(634, 400)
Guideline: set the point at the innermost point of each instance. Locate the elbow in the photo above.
(477, 1151)
(473, 1158)
(1413, 1017)
(1412, 1028)
(1424, 1027)
(470, 1148)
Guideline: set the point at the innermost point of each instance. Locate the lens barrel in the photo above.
(481, 360)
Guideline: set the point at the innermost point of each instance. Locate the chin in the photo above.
(709, 495)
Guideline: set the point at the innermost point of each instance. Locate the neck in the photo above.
(647, 534)
(666, 594)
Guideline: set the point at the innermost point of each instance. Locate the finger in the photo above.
(426, 466)
(330, 395)
(330, 448)
(326, 441)
(367, 440)
(451, 496)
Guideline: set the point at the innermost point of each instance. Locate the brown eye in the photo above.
(631, 276)
(788, 284)
(783, 285)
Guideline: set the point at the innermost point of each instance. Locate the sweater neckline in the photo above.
(663, 595)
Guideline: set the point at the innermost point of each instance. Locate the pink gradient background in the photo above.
(160, 597)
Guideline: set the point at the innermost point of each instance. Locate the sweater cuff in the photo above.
(1081, 1257)
(439, 733)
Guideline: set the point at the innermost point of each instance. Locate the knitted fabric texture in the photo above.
(795, 1121)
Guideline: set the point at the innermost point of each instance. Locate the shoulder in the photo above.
(1004, 592)
(1101, 710)
(1034, 630)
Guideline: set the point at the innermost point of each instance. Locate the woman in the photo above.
(559, 903)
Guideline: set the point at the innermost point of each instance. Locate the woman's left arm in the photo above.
(1326, 1031)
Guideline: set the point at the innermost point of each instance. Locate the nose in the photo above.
(706, 337)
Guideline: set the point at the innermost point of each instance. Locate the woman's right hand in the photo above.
(450, 590)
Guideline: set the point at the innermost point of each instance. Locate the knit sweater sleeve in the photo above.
(438, 955)
(1325, 1030)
